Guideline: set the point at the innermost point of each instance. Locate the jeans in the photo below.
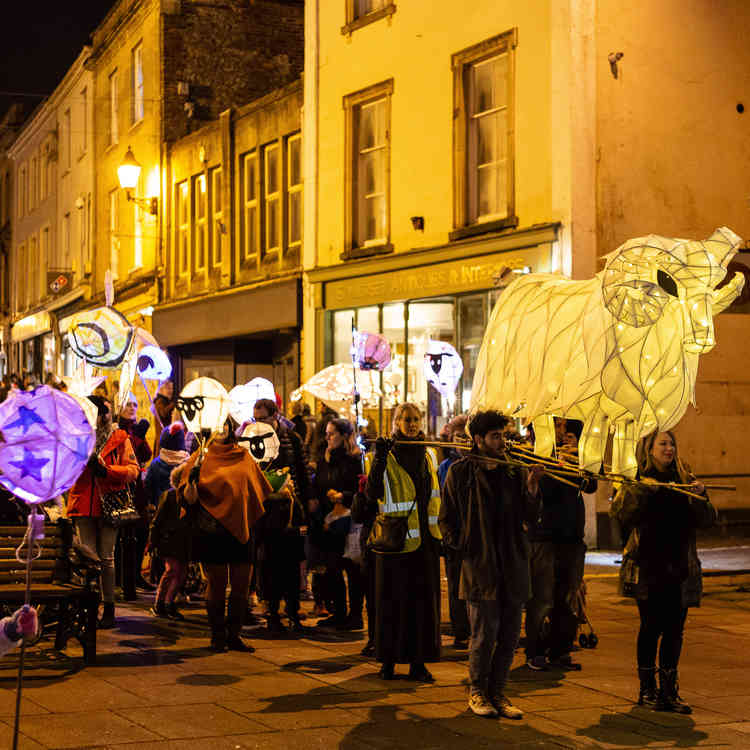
(495, 627)
(175, 572)
(459, 615)
(97, 535)
(662, 615)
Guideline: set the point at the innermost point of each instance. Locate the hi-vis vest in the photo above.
(399, 496)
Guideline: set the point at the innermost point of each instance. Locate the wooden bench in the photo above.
(64, 585)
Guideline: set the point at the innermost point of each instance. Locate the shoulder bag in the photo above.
(118, 508)
(388, 533)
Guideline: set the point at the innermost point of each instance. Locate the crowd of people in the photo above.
(351, 524)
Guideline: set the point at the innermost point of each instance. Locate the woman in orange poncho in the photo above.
(225, 494)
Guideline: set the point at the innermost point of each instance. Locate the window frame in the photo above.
(22, 180)
(352, 107)
(84, 122)
(114, 104)
(137, 89)
(355, 21)
(462, 64)
(199, 225)
(272, 200)
(216, 220)
(249, 205)
(68, 144)
(294, 189)
(21, 278)
(182, 245)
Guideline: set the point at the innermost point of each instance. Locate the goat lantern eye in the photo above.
(667, 283)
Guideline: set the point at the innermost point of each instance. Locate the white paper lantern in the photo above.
(261, 388)
(442, 367)
(204, 405)
(153, 363)
(618, 352)
(261, 441)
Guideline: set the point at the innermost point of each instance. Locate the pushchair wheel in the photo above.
(583, 640)
(593, 640)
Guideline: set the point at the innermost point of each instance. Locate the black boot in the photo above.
(669, 699)
(235, 617)
(107, 620)
(173, 613)
(218, 630)
(648, 693)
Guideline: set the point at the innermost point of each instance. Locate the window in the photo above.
(294, 189)
(114, 239)
(200, 221)
(136, 84)
(65, 260)
(250, 205)
(217, 216)
(45, 261)
(84, 121)
(33, 270)
(67, 137)
(483, 161)
(183, 228)
(367, 180)
(21, 191)
(362, 12)
(271, 199)
(114, 135)
(21, 278)
(32, 182)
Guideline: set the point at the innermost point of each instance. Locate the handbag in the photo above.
(118, 508)
(388, 533)
(630, 570)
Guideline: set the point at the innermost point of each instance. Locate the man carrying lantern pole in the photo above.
(485, 506)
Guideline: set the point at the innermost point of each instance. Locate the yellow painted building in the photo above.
(444, 147)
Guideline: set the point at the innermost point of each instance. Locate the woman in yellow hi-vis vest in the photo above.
(403, 480)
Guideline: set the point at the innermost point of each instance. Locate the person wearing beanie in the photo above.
(169, 537)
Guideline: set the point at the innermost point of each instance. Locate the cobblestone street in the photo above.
(157, 686)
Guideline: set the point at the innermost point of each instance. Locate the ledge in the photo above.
(474, 230)
(369, 251)
(367, 19)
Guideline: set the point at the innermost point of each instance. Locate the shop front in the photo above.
(444, 294)
(235, 336)
(33, 346)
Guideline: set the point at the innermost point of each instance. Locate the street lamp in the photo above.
(128, 173)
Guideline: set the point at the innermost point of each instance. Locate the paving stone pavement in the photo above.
(156, 686)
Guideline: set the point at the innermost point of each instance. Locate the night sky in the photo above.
(38, 43)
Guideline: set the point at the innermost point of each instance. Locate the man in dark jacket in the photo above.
(485, 505)
(280, 544)
(557, 560)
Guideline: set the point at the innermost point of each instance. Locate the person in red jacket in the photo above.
(112, 466)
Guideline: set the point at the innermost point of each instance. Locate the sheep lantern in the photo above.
(618, 352)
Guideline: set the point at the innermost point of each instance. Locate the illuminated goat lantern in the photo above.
(618, 352)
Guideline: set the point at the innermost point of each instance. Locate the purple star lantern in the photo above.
(45, 442)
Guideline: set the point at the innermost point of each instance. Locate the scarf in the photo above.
(173, 457)
(411, 458)
(102, 435)
(231, 487)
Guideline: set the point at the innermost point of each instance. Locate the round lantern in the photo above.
(47, 441)
(371, 351)
(261, 388)
(102, 337)
(442, 367)
(204, 405)
(153, 363)
(261, 441)
(242, 400)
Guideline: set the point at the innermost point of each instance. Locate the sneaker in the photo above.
(479, 705)
(235, 643)
(506, 709)
(565, 662)
(538, 663)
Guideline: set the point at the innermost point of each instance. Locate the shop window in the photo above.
(250, 205)
(294, 190)
(483, 159)
(217, 216)
(362, 12)
(114, 237)
(367, 179)
(271, 200)
(200, 222)
(136, 84)
(183, 228)
(114, 135)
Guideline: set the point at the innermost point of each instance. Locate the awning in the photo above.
(30, 326)
(264, 308)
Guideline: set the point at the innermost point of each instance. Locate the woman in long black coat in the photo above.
(407, 584)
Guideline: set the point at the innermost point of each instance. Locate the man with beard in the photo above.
(487, 505)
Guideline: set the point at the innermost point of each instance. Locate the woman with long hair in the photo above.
(336, 482)
(660, 566)
(225, 491)
(403, 480)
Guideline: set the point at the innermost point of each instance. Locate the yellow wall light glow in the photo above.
(620, 348)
